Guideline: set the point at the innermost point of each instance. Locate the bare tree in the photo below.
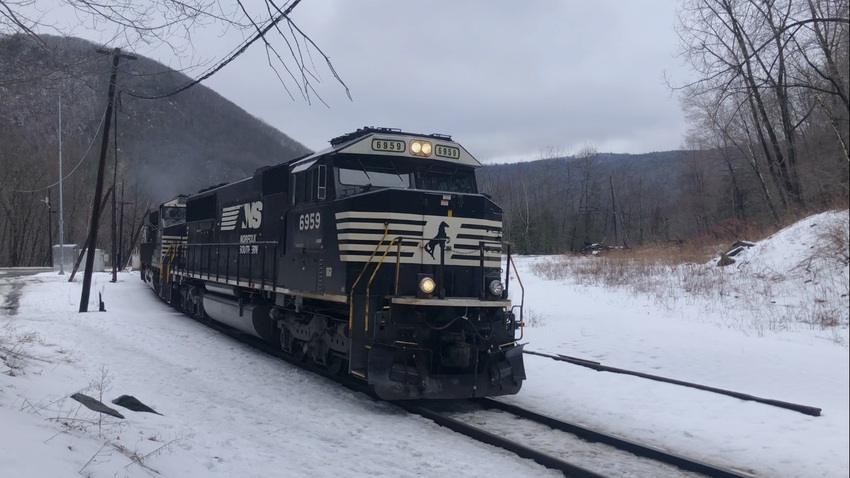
(767, 70)
(589, 198)
(823, 66)
(173, 24)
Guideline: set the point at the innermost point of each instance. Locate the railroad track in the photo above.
(618, 456)
(551, 442)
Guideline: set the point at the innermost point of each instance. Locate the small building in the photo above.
(65, 255)
(99, 261)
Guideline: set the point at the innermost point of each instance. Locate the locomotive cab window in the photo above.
(321, 182)
(147, 236)
(441, 178)
(310, 184)
(173, 215)
(354, 175)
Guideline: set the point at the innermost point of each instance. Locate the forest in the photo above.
(768, 116)
(767, 143)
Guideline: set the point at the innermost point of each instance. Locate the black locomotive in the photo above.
(375, 257)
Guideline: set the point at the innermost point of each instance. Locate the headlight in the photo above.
(420, 148)
(496, 287)
(426, 285)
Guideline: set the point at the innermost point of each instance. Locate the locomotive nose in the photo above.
(403, 374)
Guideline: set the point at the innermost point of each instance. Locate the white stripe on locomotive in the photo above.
(229, 217)
(416, 230)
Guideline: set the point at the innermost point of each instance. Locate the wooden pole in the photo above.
(98, 187)
(115, 257)
(85, 244)
(135, 238)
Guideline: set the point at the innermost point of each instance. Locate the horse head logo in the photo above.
(441, 239)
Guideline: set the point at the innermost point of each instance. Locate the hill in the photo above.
(558, 204)
(168, 146)
(171, 145)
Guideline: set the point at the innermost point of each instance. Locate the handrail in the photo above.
(171, 251)
(400, 239)
(397, 263)
(521, 299)
(356, 281)
(372, 278)
(196, 264)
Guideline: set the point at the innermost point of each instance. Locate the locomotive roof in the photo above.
(178, 201)
(368, 140)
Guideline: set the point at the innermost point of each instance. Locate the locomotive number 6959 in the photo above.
(309, 221)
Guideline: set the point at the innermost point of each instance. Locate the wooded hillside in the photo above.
(165, 147)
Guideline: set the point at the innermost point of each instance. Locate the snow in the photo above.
(229, 410)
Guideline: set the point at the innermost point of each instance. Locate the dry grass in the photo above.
(532, 319)
(750, 298)
(83, 423)
(14, 349)
(834, 244)
(640, 269)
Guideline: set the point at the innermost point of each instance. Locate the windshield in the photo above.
(360, 177)
(456, 180)
(355, 174)
(173, 215)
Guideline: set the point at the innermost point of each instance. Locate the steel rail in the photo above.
(635, 448)
(568, 469)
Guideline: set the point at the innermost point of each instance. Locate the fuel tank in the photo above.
(243, 316)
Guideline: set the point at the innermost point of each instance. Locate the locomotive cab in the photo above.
(420, 251)
(163, 236)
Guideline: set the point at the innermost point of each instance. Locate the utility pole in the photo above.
(114, 207)
(98, 188)
(87, 241)
(617, 215)
(61, 208)
(46, 201)
(122, 260)
(614, 210)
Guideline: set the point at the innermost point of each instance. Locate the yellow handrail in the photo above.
(369, 285)
(171, 251)
(356, 281)
(162, 256)
(521, 304)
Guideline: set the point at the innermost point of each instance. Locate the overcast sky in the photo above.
(509, 80)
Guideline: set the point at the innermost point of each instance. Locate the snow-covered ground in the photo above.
(228, 410)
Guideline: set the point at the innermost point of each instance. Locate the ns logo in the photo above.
(441, 239)
(252, 216)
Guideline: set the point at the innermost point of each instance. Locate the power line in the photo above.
(91, 143)
(233, 56)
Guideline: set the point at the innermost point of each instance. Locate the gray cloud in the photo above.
(507, 79)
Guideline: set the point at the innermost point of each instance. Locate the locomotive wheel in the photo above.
(285, 340)
(335, 363)
(299, 350)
